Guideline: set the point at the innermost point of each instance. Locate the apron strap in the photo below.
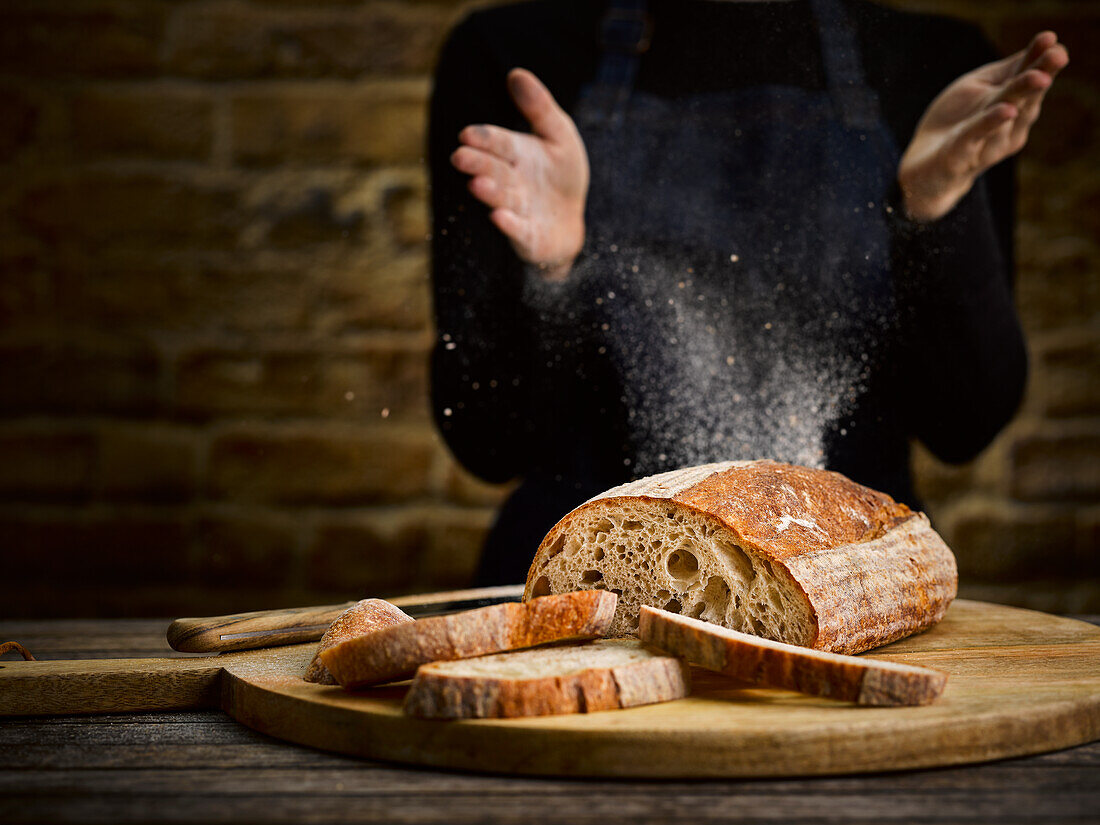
(625, 34)
(856, 102)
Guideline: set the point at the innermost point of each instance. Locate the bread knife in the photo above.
(296, 625)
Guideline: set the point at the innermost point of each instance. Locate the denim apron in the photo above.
(734, 298)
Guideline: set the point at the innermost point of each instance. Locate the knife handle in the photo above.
(247, 631)
(297, 625)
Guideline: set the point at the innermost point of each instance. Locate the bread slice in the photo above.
(779, 665)
(601, 675)
(396, 652)
(788, 553)
(361, 618)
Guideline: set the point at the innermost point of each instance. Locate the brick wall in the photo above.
(214, 316)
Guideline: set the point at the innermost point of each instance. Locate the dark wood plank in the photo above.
(202, 767)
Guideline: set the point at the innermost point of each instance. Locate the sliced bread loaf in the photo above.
(366, 616)
(396, 652)
(776, 664)
(788, 553)
(601, 675)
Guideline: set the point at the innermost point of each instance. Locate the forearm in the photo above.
(961, 336)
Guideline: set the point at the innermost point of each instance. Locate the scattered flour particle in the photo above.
(349, 396)
(447, 412)
(385, 412)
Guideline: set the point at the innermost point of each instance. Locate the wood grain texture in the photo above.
(1021, 682)
(1007, 695)
(242, 631)
(201, 767)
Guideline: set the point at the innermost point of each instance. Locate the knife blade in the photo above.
(296, 625)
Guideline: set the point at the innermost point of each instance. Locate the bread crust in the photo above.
(396, 652)
(363, 617)
(775, 664)
(871, 570)
(436, 694)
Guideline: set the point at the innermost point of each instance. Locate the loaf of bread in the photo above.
(363, 617)
(768, 663)
(789, 553)
(581, 678)
(396, 652)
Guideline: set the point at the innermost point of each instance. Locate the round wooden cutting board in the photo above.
(1020, 682)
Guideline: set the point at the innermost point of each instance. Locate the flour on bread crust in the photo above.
(789, 553)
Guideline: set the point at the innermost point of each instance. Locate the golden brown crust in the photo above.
(775, 664)
(396, 652)
(440, 695)
(366, 616)
(872, 571)
(869, 594)
(792, 511)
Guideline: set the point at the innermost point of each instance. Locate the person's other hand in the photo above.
(976, 122)
(535, 184)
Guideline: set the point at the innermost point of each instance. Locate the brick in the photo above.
(312, 217)
(455, 539)
(143, 462)
(69, 376)
(998, 541)
(41, 462)
(1088, 539)
(24, 296)
(1062, 199)
(1058, 464)
(1066, 129)
(259, 549)
(20, 116)
(211, 292)
(102, 546)
(233, 39)
(370, 555)
(322, 123)
(1067, 378)
(144, 121)
(383, 292)
(139, 290)
(936, 481)
(407, 214)
(103, 38)
(360, 384)
(133, 210)
(1057, 284)
(323, 465)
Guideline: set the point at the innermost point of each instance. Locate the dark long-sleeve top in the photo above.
(961, 363)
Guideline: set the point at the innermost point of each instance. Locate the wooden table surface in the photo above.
(204, 767)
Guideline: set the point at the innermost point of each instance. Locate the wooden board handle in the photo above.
(109, 685)
(297, 625)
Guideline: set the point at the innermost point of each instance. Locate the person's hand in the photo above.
(535, 184)
(976, 122)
